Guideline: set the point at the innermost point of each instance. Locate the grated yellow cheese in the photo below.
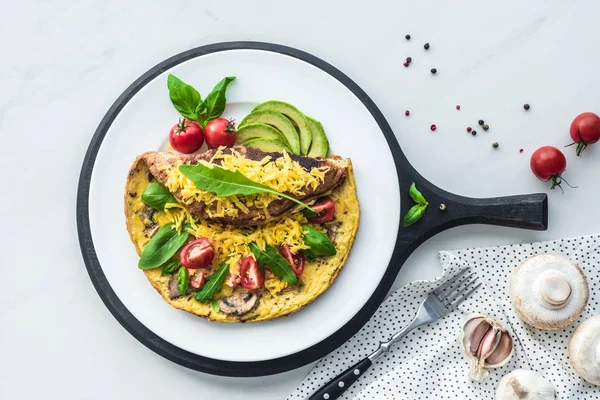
(282, 174)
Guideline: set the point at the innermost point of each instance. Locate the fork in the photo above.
(436, 305)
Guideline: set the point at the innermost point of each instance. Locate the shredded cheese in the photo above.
(282, 174)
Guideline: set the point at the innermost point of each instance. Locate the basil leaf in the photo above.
(319, 243)
(213, 284)
(201, 113)
(277, 264)
(184, 97)
(215, 100)
(157, 196)
(170, 267)
(163, 245)
(416, 195)
(182, 280)
(414, 214)
(308, 213)
(227, 183)
(215, 305)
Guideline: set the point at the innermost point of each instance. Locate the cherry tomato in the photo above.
(220, 132)
(295, 260)
(585, 130)
(186, 136)
(325, 209)
(198, 253)
(251, 277)
(548, 163)
(197, 279)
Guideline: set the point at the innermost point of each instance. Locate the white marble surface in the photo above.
(65, 62)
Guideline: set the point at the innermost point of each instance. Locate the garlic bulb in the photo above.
(487, 343)
(548, 291)
(522, 384)
(584, 350)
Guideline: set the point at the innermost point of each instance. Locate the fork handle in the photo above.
(338, 385)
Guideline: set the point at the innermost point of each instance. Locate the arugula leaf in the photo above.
(170, 267)
(414, 214)
(215, 305)
(184, 97)
(163, 245)
(309, 214)
(213, 284)
(157, 196)
(416, 195)
(277, 264)
(319, 243)
(215, 101)
(182, 280)
(227, 183)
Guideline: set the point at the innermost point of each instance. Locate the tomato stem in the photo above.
(582, 144)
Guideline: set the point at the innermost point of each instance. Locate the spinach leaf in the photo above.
(215, 101)
(277, 264)
(215, 305)
(415, 195)
(170, 267)
(184, 97)
(163, 245)
(182, 280)
(157, 196)
(414, 214)
(213, 284)
(227, 183)
(319, 243)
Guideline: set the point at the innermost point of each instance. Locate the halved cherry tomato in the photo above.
(295, 260)
(325, 209)
(251, 277)
(197, 279)
(198, 253)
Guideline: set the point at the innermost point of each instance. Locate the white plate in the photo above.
(143, 124)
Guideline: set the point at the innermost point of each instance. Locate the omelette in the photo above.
(299, 253)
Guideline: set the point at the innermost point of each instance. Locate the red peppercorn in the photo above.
(469, 129)
(433, 127)
(405, 63)
(407, 113)
(520, 151)
(458, 106)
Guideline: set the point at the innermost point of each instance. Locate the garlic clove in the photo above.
(488, 344)
(477, 335)
(503, 351)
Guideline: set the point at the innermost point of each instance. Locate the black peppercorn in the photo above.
(407, 37)
(526, 106)
(408, 60)
(426, 46)
(480, 122)
(433, 70)
(473, 132)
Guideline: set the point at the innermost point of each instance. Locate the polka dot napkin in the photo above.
(430, 363)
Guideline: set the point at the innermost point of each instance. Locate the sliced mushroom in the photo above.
(238, 304)
(548, 291)
(173, 290)
(146, 215)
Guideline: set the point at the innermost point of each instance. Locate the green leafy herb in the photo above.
(277, 264)
(215, 101)
(418, 210)
(215, 305)
(182, 280)
(184, 97)
(157, 196)
(227, 183)
(319, 243)
(416, 195)
(163, 245)
(170, 267)
(213, 284)
(414, 214)
(308, 213)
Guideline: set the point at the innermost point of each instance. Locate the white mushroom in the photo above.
(522, 384)
(548, 291)
(584, 350)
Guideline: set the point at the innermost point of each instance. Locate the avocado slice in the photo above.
(268, 145)
(320, 145)
(293, 114)
(259, 131)
(279, 121)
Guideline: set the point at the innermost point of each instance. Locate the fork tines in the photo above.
(459, 288)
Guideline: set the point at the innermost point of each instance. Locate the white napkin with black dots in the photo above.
(430, 362)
